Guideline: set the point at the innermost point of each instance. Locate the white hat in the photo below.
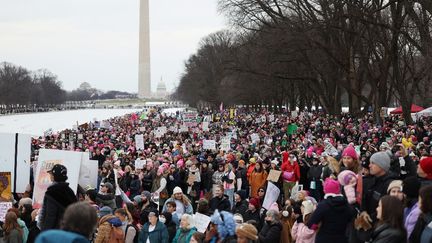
(275, 161)
(308, 207)
(177, 190)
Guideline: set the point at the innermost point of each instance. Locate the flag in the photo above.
(221, 107)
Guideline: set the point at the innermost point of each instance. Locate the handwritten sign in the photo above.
(225, 144)
(271, 196)
(140, 164)
(201, 222)
(4, 207)
(255, 138)
(209, 144)
(274, 175)
(139, 142)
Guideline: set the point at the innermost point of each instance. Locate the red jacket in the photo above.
(288, 167)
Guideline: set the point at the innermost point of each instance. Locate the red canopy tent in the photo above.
(414, 109)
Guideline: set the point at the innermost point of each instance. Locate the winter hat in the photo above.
(146, 194)
(59, 172)
(255, 201)
(117, 163)
(308, 207)
(252, 160)
(274, 207)
(275, 161)
(331, 186)
(25, 200)
(381, 159)
(116, 222)
(105, 211)
(248, 231)
(177, 190)
(411, 187)
(393, 184)
(345, 177)
(350, 152)
(108, 185)
(241, 193)
(180, 163)
(385, 146)
(241, 162)
(137, 199)
(225, 223)
(426, 166)
(238, 218)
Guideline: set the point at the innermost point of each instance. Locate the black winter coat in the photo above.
(373, 189)
(240, 207)
(270, 233)
(221, 204)
(385, 234)
(57, 198)
(334, 213)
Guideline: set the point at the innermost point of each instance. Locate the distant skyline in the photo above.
(97, 41)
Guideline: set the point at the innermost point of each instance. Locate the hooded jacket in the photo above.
(55, 236)
(270, 233)
(159, 234)
(334, 213)
(57, 198)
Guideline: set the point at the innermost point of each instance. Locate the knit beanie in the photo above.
(331, 186)
(411, 187)
(255, 201)
(248, 231)
(345, 177)
(350, 152)
(426, 166)
(393, 184)
(308, 207)
(382, 160)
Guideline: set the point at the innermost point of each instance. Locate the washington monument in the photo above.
(144, 83)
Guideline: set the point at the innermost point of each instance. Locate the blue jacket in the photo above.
(188, 208)
(184, 236)
(427, 233)
(55, 236)
(158, 235)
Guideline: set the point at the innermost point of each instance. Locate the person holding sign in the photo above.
(57, 198)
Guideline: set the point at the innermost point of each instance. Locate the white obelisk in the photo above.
(144, 83)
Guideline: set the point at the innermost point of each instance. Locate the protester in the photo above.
(153, 231)
(422, 232)
(390, 226)
(166, 218)
(271, 231)
(411, 187)
(300, 232)
(246, 233)
(57, 198)
(186, 229)
(220, 201)
(12, 231)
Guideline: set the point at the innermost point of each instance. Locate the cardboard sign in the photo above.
(190, 118)
(142, 129)
(19, 166)
(274, 175)
(225, 144)
(47, 159)
(201, 222)
(209, 144)
(139, 142)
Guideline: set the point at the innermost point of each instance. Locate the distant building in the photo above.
(161, 91)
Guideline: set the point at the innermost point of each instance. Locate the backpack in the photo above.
(135, 239)
(116, 235)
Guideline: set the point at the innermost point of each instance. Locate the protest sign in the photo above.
(140, 164)
(190, 118)
(105, 124)
(271, 195)
(292, 128)
(88, 173)
(15, 152)
(209, 144)
(274, 175)
(139, 142)
(205, 126)
(142, 129)
(80, 136)
(183, 128)
(225, 144)
(330, 149)
(201, 222)
(4, 207)
(47, 159)
(255, 138)
(294, 114)
(5, 188)
(271, 118)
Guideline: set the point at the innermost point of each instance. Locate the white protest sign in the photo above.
(80, 137)
(47, 159)
(205, 126)
(330, 149)
(209, 144)
(163, 130)
(88, 173)
(225, 144)
(183, 128)
(294, 114)
(140, 164)
(4, 207)
(272, 194)
(255, 137)
(19, 145)
(105, 124)
(142, 129)
(263, 119)
(271, 118)
(158, 133)
(201, 222)
(139, 142)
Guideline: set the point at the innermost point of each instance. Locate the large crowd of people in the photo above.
(341, 179)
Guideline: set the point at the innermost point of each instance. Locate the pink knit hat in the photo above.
(350, 152)
(331, 186)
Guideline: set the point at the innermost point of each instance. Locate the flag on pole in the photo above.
(221, 107)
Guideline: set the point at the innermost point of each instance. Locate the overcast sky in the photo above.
(96, 41)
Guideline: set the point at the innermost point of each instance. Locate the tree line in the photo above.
(20, 86)
(308, 53)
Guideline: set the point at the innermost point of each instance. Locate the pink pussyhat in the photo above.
(350, 152)
(331, 186)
